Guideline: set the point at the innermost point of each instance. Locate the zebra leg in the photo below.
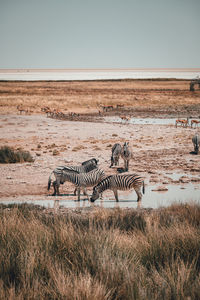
(79, 192)
(56, 188)
(139, 194)
(85, 193)
(116, 195)
(75, 191)
(127, 165)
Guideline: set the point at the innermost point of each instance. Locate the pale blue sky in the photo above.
(99, 34)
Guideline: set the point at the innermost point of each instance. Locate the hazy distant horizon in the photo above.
(96, 69)
(97, 74)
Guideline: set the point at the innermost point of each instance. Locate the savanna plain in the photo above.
(95, 252)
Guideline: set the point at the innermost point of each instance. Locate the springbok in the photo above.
(196, 122)
(21, 109)
(183, 122)
(125, 118)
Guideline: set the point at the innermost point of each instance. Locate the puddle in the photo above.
(142, 121)
(178, 176)
(151, 199)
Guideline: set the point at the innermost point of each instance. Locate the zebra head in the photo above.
(90, 161)
(95, 194)
(125, 147)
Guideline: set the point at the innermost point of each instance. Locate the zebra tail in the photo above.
(49, 181)
(143, 188)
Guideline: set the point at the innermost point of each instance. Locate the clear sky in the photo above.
(99, 33)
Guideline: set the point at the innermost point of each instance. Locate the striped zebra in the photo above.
(116, 152)
(196, 143)
(119, 182)
(126, 155)
(81, 181)
(85, 167)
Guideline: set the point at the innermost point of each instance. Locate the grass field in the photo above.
(104, 254)
(83, 95)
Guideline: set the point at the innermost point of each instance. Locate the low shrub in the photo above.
(9, 155)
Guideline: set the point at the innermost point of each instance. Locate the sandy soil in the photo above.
(158, 150)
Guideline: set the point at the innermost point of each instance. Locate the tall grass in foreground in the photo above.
(104, 254)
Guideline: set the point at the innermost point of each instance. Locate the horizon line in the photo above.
(94, 69)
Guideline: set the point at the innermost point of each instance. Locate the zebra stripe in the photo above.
(196, 143)
(126, 154)
(116, 152)
(81, 181)
(119, 182)
(86, 166)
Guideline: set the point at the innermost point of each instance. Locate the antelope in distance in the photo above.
(125, 118)
(183, 122)
(21, 109)
(106, 108)
(195, 122)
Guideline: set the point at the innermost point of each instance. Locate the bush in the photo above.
(9, 155)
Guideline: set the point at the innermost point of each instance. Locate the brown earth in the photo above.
(158, 150)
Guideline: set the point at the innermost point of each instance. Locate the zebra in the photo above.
(85, 167)
(196, 143)
(116, 152)
(119, 182)
(126, 155)
(81, 181)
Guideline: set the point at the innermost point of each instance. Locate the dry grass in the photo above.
(105, 254)
(9, 155)
(77, 96)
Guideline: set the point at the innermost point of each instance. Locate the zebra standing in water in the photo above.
(196, 143)
(119, 182)
(81, 181)
(85, 167)
(116, 152)
(126, 154)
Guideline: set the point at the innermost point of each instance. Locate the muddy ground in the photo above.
(159, 151)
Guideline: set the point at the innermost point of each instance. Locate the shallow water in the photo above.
(142, 121)
(151, 198)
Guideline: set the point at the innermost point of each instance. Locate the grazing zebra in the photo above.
(81, 181)
(119, 182)
(116, 152)
(86, 167)
(196, 143)
(126, 154)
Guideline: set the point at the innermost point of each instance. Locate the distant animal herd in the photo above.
(88, 174)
